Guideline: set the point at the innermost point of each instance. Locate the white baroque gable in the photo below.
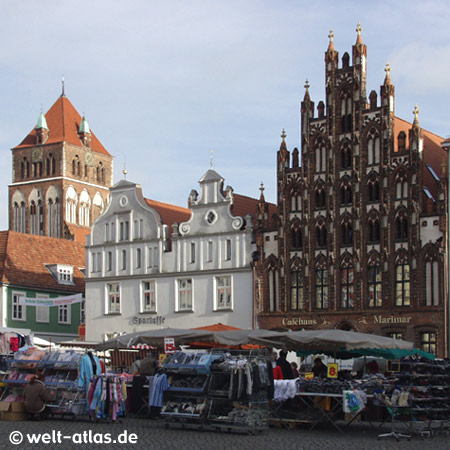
(210, 210)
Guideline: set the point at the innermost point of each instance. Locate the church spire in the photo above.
(307, 97)
(358, 36)
(331, 44)
(387, 79)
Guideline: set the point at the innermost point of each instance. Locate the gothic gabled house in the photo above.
(358, 242)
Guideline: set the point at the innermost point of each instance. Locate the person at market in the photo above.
(136, 365)
(372, 367)
(285, 366)
(149, 365)
(319, 369)
(294, 368)
(36, 397)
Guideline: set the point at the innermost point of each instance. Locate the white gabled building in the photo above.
(152, 265)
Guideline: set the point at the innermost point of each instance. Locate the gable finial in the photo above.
(283, 135)
(124, 171)
(359, 28)
(63, 94)
(211, 159)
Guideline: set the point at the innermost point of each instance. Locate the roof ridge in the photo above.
(179, 208)
(424, 129)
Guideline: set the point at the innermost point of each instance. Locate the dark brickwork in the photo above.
(353, 217)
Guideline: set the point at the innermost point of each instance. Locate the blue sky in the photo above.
(163, 83)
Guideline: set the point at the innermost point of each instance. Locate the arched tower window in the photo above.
(373, 191)
(401, 225)
(84, 213)
(71, 205)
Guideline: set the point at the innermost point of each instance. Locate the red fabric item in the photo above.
(277, 373)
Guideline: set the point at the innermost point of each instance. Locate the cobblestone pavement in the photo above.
(153, 435)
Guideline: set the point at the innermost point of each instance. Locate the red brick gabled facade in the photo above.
(358, 244)
(61, 176)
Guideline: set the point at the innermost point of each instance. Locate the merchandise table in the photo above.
(315, 398)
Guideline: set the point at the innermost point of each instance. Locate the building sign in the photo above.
(391, 319)
(298, 321)
(58, 301)
(152, 320)
(379, 319)
(169, 345)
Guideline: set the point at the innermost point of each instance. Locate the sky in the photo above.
(164, 83)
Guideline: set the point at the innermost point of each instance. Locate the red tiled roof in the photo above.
(244, 205)
(23, 259)
(63, 123)
(217, 327)
(170, 213)
(433, 154)
(79, 233)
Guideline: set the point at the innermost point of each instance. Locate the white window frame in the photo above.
(209, 251)
(192, 253)
(113, 295)
(138, 258)
(185, 292)
(65, 272)
(151, 307)
(21, 315)
(42, 309)
(226, 288)
(66, 311)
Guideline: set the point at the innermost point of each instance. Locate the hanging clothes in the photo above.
(159, 386)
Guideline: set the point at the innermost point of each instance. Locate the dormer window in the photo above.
(65, 274)
(62, 273)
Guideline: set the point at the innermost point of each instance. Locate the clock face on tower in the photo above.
(36, 154)
(89, 158)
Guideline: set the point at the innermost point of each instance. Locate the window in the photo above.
(346, 114)
(273, 289)
(185, 295)
(138, 258)
(64, 314)
(192, 256)
(321, 162)
(321, 236)
(402, 285)
(320, 198)
(346, 234)
(124, 260)
(113, 232)
(107, 232)
(65, 273)
(428, 342)
(346, 195)
(228, 250)
(296, 202)
(210, 251)
(33, 223)
(401, 189)
(346, 157)
(149, 296)
(18, 311)
(373, 149)
(296, 236)
(395, 335)
(42, 312)
(124, 233)
(432, 283)
(297, 290)
(321, 289)
(374, 286)
(401, 228)
(374, 231)
(114, 298)
(109, 262)
(223, 292)
(83, 312)
(347, 287)
(373, 191)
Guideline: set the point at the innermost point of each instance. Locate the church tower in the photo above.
(61, 175)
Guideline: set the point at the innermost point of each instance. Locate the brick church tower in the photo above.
(358, 245)
(61, 175)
